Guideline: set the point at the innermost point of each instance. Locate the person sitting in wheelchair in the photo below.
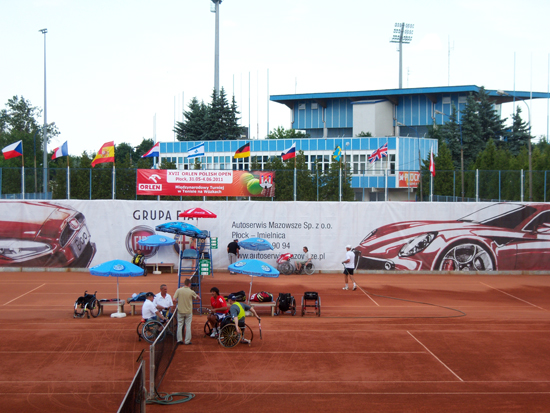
(304, 262)
(219, 310)
(237, 313)
(149, 311)
(139, 260)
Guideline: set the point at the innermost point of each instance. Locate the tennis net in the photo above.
(161, 354)
(136, 396)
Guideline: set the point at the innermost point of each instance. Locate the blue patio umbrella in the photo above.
(256, 244)
(117, 268)
(254, 268)
(156, 241)
(181, 228)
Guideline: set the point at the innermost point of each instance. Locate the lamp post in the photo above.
(217, 47)
(503, 93)
(461, 153)
(45, 131)
(402, 33)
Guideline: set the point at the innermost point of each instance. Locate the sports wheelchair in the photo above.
(285, 302)
(87, 304)
(149, 330)
(228, 335)
(308, 297)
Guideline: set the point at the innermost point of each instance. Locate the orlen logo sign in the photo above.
(150, 187)
(136, 234)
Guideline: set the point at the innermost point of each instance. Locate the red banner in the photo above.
(197, 182)
(409, 179)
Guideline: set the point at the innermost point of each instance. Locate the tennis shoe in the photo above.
(354, 287)
(345, 288)
(214, 333)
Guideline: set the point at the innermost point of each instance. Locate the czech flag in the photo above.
(14, 150)
(243, 152)
(106, 154)
(154, 151)
(289, 153)
(63, 150)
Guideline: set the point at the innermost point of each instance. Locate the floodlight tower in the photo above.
(45, 130)
(217, 47)
(402, 34)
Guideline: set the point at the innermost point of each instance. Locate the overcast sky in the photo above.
(112, 65)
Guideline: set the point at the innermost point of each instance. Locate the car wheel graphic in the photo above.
(466, 257)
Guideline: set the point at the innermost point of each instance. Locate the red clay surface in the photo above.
(365, 352)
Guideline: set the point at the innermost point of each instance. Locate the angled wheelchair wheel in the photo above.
(277, 309)
(292, 306)
(151, 330)
(285, 268)
(318, 307)
(309, 268)
(95, 308)
(207, 329)
(229, 336)
(303, 307)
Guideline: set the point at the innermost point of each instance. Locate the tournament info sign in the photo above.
(198, 182)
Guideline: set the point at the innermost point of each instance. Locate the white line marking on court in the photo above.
(513, 296)
(366, 293)
(28, 292)
(456, 375)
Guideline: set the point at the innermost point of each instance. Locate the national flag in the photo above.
(289, 153)
(379, 153)
(63, 150)
(337, 153)
(196, 151)
(243, 152)
(432, 163)
(106, 154)
(154, 151)
(14, 150)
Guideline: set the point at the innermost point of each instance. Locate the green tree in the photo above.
(364, 135)
(282, 133)
(472, 131)
(492, 126)
(519, 136)
(194, 127)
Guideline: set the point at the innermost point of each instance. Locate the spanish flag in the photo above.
(106, 154)
(243, 152)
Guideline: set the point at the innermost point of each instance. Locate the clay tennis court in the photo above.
(365, 352)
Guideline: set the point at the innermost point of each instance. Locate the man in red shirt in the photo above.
(220, 308)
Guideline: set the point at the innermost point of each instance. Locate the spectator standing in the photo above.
(183, 297)
(349, 265)
(233, 252)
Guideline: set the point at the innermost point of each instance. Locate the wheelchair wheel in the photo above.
(277, 309)
(95, 308)
(151, 330)
(293, 306)
(229, 336)
(207, 329)
(303, 307)
(140, 328)
(285, 268)
(309, 268)
(318, 307)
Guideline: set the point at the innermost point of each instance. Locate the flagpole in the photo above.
(68, 180)
(22, 172)
(114, 177)
(294, 177)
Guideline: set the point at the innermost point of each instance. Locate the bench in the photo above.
(113, 301)
(133, 305)
(153, 266)
(271, 304)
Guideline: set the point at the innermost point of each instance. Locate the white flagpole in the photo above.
(68, 180)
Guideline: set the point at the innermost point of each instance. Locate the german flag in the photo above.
(243, 152)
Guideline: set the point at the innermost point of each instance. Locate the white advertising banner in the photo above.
(383, 235)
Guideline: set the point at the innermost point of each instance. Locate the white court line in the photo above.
(28, 292)
(513, 296)
(456, 375)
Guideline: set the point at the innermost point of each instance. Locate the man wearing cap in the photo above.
(183, 297)
(349, 265)
(149, 311)
(233, 252)
(237, 311)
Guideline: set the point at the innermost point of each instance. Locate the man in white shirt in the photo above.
(305, 261)
(149, 311)
(163, 300)
(349, 265)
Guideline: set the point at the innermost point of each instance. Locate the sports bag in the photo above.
(240, 296)
(137, 297)
(262, 297)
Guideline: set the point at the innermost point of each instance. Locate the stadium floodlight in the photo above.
(402, 34)
(217, 47)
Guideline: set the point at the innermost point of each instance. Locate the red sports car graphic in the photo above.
(499, 237)
(42, 234)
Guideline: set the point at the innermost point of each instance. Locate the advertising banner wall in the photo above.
(383, 235)
(190, 182)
